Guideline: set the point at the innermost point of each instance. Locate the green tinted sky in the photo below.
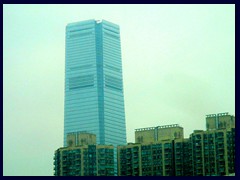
(178, 66)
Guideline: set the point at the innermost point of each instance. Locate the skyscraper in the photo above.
(93, 82)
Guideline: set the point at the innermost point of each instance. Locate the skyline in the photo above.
(190, 47)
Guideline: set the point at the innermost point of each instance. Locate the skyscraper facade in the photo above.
(93, 82)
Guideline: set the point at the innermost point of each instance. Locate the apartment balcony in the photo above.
(178, 157)
(128, 157)
(167, 163)
(128, 163)
(198, 149)
(198, 145)
(220, 148)
(135, 150)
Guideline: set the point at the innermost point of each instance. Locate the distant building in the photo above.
(159, 133)
(94, 99)
(83, 157)
(129, 160)
(157, 159)
(162, 150)
(152, 154)
(213, 152)
(154, 159)
(182, 157)
(220, 121)
(165, 158)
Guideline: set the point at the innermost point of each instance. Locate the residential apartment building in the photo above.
(158, 133)
(162, 150)
(182, 157)
(220, 121)
(212, 152)
(84, 158)
(151, 159)
(152, 154)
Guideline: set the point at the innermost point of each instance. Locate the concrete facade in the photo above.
(181, 157)
(152, 154)
(147, 159)
(83, 157)
(212, 153)
(220, 121)
(86, 160)
(159, 133)
(163, 151)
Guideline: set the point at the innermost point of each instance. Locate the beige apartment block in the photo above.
(83, 157)
(162, 150)
(220, 121)
(159, 133)
(212, 152)
(182, 157)
(146, 159)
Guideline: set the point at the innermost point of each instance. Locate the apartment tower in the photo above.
(82, 157)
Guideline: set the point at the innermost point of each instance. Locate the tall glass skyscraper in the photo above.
(93, 82)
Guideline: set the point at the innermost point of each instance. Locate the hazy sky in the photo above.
(178, 66)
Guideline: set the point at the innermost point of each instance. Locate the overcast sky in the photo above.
(178, 66)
